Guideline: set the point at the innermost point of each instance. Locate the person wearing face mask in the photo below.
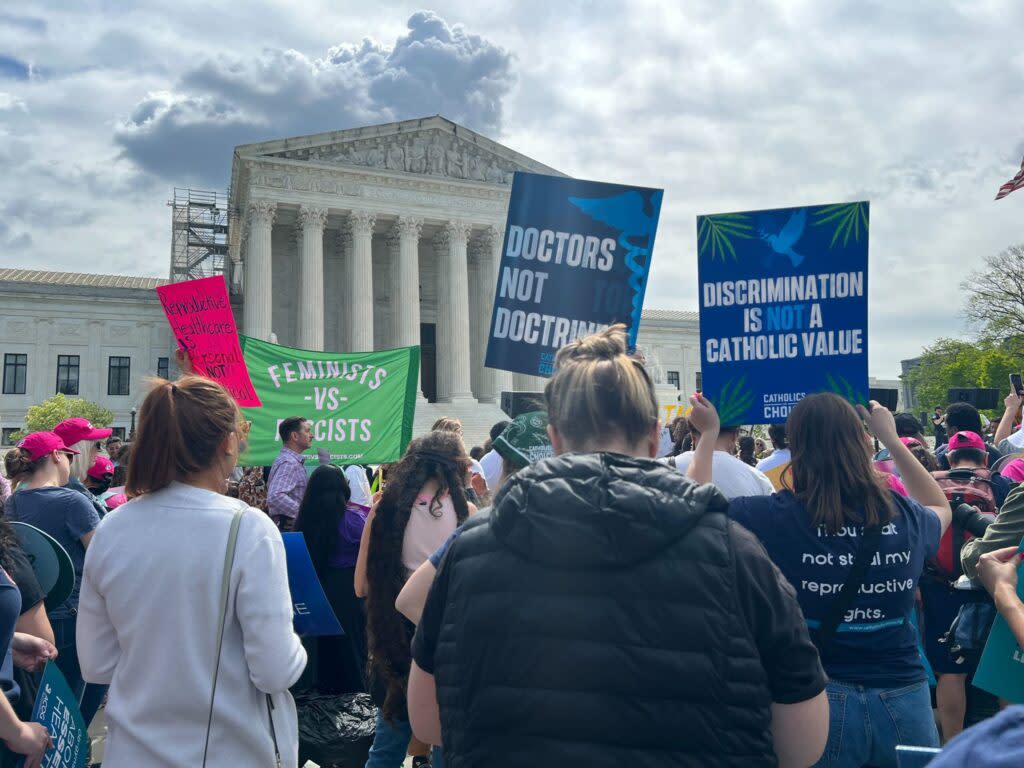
(197, 645)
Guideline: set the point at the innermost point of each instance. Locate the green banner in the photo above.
(360, 404)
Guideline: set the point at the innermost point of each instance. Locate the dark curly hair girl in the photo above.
(437, 456)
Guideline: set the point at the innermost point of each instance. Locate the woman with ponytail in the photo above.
(190, 683)
(605, 611)
(421, 506)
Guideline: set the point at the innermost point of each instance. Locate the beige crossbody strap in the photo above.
(225, 586)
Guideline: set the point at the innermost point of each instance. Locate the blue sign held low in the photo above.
(311, 610)
(1001, 669)
(56, 709)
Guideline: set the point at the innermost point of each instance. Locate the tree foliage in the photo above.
(994, 301)
(952, 363)
(49, 413)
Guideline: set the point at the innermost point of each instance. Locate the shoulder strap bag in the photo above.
(866, 550)
(229, 560)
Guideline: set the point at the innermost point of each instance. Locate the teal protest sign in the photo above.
(1001, 669)
(56, 708)
(360, 404)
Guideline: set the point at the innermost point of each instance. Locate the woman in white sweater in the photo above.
(150, 604)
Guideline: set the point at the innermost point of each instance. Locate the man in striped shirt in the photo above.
(288, 478)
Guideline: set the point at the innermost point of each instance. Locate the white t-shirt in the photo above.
(732, 476)
(491, 464)
(768, 463)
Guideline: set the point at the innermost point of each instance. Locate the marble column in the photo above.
(310, 298)
(453, 359)
(403, 242)
(488, 256)
(360, 280)
(259, 306)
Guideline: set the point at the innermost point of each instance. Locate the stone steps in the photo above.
(477, 418)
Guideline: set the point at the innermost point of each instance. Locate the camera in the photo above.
(971, 520)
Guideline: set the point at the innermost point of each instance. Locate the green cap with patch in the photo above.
(525, 439)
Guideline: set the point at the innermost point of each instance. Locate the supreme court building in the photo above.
(354, 240)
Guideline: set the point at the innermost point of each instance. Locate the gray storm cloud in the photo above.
(187, 133)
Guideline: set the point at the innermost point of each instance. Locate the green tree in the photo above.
(952, 363)
(49, 413)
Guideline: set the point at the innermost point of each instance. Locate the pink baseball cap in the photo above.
(967, 440)
(75, 430)
(909, 441)
(39, 444)
(100, 468)
(1014, 471)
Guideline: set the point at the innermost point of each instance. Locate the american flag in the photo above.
(1013, 184)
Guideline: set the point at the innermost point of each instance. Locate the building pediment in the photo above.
(429, 147)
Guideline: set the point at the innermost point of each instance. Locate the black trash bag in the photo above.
(335, 730)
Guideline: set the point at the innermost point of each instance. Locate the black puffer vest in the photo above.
(591, 620)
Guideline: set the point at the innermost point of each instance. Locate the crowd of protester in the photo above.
(560, 595)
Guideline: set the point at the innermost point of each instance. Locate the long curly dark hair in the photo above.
(437, 456)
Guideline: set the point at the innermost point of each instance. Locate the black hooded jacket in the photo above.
(598, 615)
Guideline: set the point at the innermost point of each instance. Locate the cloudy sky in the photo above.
(916, 106)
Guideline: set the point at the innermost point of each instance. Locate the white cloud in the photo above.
(728, 106)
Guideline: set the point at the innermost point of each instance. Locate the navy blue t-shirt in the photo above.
(876, 646)
(64, 514)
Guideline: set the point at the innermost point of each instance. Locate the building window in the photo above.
(700, 383)
(163, 365)
(67, 374)
(119, 432)
(15, 373)
(673, 378)
(7, 435)
(118, 374)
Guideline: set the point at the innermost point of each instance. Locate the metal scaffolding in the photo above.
(199, 234)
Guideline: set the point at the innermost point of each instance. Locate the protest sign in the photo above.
(56, 709)
(574, 260)
(199, 312)
(311, 611)
(783, 308)
(51, 563)
(361, 404)
(1001, 669)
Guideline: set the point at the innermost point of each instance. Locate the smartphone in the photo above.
(1017, 383)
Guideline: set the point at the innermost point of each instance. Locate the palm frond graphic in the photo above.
(847, 219)
(840, 386)
(715, 234)
(734, 401)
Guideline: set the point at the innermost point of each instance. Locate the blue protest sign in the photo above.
(310, 608)
(783, 308)
(575, 259)
(1001, 669)
(57, 710)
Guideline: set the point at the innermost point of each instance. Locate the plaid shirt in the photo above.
(287, 484)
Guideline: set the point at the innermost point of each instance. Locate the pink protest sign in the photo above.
(199, 312)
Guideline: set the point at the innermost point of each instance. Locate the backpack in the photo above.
(961, 486)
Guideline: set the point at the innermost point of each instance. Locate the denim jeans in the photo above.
(90, 696)
(866, 724)
(391, 743)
